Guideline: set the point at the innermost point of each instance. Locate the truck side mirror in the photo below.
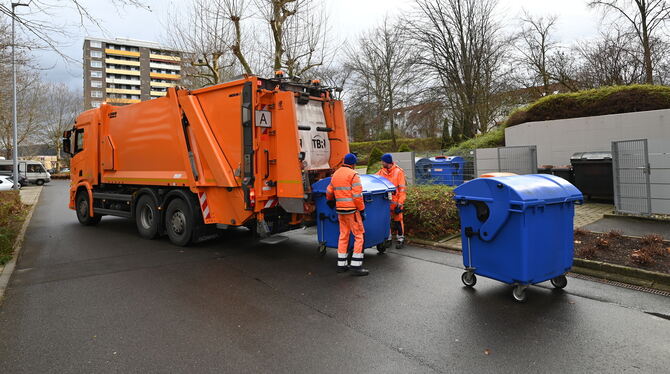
(67, 145)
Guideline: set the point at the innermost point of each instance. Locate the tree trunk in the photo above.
(648, 68)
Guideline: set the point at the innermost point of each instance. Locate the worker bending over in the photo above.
(396, 175)
(345, 194)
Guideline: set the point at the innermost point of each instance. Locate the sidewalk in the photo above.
(29, 196)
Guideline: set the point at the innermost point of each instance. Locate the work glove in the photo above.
(331, 204)
(398, 209)
(363, 214)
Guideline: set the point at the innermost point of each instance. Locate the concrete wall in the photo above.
(557, 140)
(406, 161)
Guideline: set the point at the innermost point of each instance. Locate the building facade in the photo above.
(125, 71)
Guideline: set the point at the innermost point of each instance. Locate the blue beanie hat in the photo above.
(350, 159)
(387, 158)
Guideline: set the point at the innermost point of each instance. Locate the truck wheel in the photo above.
(39, 182)
(82, 205)
(147, 217)
(179, 222)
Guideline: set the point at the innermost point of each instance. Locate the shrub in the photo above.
(12, 214)
(491, 139)
(374, 161)
(430, 212)
(587, 252)
(596, 102)
(641, 257)
(615, 234)
(652, 239)
(404, 148)
(580, 232)
(602, 243)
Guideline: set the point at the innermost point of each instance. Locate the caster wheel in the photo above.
(322, 250)
(519, 293)
(559, 282)
(388, 243)
(381, 248)
(469, 279)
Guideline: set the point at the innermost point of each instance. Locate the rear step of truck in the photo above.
(274, 239)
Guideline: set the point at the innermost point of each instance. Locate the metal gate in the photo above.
(632, 187)
(518, 160)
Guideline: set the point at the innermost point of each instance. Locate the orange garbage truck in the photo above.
(242, 153)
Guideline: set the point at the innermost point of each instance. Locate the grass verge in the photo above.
(12, 215)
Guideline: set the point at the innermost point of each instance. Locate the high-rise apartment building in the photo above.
(126, 71)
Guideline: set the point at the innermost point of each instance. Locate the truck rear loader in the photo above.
(242, 153)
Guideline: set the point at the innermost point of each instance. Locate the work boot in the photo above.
(401, 242)
(342, 269)
(359, 271)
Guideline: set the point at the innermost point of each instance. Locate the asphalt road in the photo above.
(100, 299)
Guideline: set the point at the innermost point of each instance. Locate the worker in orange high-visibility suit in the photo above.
(396, 175)
(345, 194)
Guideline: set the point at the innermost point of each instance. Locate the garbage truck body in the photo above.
(242, 153)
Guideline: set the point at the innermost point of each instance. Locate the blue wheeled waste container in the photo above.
(447, 170)
(517, 229)
(377, 192)
(423, 171)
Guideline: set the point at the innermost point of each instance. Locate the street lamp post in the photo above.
(15, 151)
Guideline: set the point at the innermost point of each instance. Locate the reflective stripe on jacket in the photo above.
(396, 175)
(345, 187)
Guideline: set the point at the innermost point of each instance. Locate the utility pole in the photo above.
(15, 150)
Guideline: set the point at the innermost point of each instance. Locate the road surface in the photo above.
(100, 299)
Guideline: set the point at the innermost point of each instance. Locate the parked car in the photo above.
(32, 171)
(6, 184)
(65, 170)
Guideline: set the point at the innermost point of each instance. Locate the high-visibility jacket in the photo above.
(396, 175)
(345, 187)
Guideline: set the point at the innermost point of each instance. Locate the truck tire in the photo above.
(147, 217)
(82, 208)
(39, 182)
(179, 222)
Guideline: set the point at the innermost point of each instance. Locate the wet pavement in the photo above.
(100, 299)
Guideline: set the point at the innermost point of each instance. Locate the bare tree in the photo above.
(462, 48)
(610, 60)
(211, 37)
(383, 65)
(644, 17)
(43, 30)
(535, 44)
(62, 105)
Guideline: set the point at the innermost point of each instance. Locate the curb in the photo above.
(603, 270)
(9, 267)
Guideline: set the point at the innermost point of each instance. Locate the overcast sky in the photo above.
(348, 18)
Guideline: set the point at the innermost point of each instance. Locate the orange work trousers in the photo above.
(350, 223)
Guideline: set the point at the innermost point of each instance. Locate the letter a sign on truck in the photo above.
(263, 118)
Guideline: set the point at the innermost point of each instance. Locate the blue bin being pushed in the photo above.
(517, 229)
(377, 192)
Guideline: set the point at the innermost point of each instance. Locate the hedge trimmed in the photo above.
(596, 102)
(363, 149)
(430, 212)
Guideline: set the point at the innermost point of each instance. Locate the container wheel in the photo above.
(469, 279)
(381, 248)
(560, 281)
(519, 293)
(321, 250)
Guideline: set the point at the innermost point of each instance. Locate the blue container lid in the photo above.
(372, 184)
(521, 190)
(447, 159)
